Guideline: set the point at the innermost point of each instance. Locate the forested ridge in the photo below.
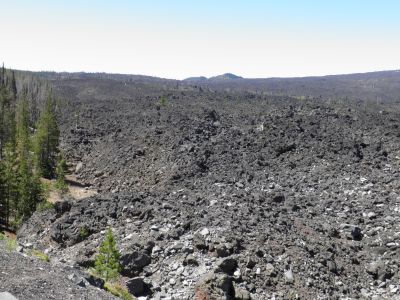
(29, 138)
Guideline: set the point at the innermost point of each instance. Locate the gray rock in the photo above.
(28, 245)
(289, 278)
(188, 250)
(277, 197)
(269, 269)
(205, 232)
(227, 266)
(95, 281)
(156, 250)
(215, 286)
(155, 228)
(190, 260)
(241, 294)
(379, 270)
(250, 263)
(136, 286)
(78, 167)
(133, 263)
(177, 246)
(222, 251)
(199, 242)
(80, 281)
(356, 233)
(331, 266)
(7, 296)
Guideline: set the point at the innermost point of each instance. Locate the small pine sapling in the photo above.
(107, 261)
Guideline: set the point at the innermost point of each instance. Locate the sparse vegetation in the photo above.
(163, 101)
(61, 169)
(45, 205)
(46, 188)
(83, 232)
(40, 255)
(11, 244)
(118, 290)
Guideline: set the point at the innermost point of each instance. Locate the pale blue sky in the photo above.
(177, 39)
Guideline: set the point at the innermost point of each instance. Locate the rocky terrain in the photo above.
(220, 195)
(28, 277)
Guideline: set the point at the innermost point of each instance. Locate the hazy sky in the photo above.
(182, 38)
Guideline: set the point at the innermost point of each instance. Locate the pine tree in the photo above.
(29, 191)
(46, 140)
(13, 85)
(3, 204)
(107, 261)
(10, 182)
(3, 74)
(7, 119)
(22, 129)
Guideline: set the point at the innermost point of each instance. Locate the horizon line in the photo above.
(198, 76)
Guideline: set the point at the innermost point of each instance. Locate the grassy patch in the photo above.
(62, 187)
(40, 255)
(118, 290)
(47, 187)
(51, 188)
(11, 244)
(44, 205)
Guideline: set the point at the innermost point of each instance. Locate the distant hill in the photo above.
(200, 78)
(372, 86)
(226, 76)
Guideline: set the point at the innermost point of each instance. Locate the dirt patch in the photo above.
(76, 190)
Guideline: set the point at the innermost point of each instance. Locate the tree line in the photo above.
(29, 140)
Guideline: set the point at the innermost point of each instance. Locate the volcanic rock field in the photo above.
(214, 194)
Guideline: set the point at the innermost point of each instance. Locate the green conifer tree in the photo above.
(13, 85)
(4, 210)
(107, 261)
(10, 182)
(22, 130)
(46, 140)
(29, 189)
(3, 74)
(7, 119)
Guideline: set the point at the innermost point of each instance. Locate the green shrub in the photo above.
(83, 232)
(2, 236)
